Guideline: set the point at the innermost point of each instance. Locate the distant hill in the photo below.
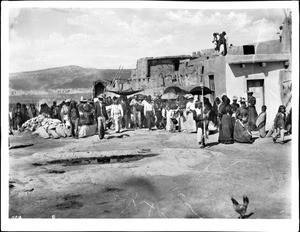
(69, 77)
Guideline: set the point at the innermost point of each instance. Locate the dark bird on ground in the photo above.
(241, 208)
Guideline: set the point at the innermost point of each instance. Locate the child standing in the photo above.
(261, 122)
(279, 123)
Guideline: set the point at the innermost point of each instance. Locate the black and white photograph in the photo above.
(175, 115)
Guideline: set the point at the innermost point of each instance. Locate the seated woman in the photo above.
(241, 132)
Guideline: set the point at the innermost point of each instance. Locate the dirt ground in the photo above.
(147, 174)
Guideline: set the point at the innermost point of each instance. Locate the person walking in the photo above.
(100, 116)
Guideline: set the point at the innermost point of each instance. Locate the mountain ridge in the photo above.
(70, 77)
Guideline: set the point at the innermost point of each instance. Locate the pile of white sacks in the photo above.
(54, 128)
(47, 127)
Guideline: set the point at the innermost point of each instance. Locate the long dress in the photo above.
(169, 124)
(190, 122)
(241, 133)
(226, 129)
(252, 113)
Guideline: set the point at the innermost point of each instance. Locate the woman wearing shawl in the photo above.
(241, 132)
(226, 125)
(261, 122)
(252, 111)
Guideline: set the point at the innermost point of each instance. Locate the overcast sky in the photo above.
(42, 38)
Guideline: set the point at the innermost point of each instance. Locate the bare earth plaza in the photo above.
(150, 113)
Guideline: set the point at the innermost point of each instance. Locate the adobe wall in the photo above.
(216, 67)
(236, 84)
(267, 47)
(141, 68)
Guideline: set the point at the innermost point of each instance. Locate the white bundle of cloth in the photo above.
(47, 127)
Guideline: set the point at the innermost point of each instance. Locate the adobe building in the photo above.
(264, 68)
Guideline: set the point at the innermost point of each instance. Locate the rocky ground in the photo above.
(141, 174)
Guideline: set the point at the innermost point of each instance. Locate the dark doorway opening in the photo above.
(211, 79)
(248, 49)
(98, 89)
(257, 86)
(176, 65)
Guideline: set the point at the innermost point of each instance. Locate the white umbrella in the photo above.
(169, 96)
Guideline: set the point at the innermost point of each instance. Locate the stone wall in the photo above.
(165, 69)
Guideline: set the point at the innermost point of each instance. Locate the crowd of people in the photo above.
(234, 121)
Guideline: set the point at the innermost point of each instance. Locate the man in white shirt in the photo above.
(117, 114)
(149, 112)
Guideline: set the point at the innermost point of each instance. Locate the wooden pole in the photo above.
(202, 99)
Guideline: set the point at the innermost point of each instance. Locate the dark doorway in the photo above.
(248, 49)
(176, 65)
(211, 79)
(257, 86)
(98, 89)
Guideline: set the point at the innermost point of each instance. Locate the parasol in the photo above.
(175, 89)
(126, 92)
(169, 96)
(197, 90)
